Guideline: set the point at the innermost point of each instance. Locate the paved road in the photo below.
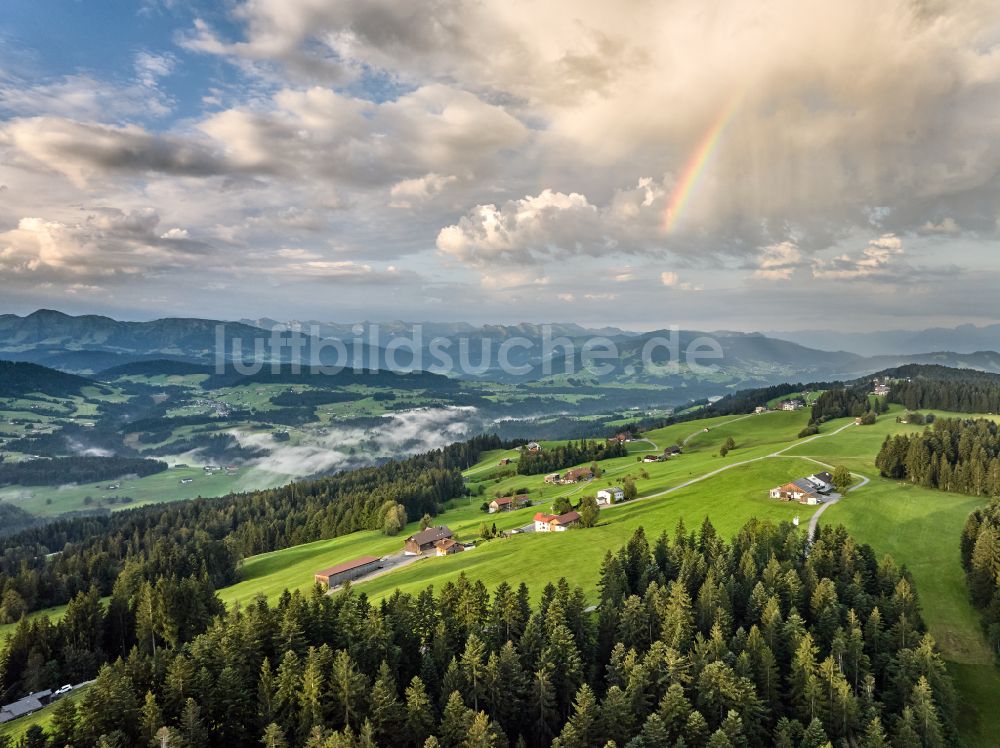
(812, 522)
(834, 498)
(732, 465)
(650, 442)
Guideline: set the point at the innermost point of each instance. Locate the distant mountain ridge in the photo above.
(960, 339)
(90, 343)
(388, 330)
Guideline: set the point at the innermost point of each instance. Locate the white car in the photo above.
(64, 690)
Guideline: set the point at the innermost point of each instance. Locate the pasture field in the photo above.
(54, 615)
(269, 574)
(537, 558)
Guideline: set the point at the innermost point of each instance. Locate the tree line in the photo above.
(973, 395)
(567, 455)
(314, 398)
(41, 653)
(840, 402)
(953, 454)
(209, 536)
(58, 471)
(981, 559)
(697, 642)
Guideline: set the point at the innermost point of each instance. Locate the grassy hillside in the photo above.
(918, 527)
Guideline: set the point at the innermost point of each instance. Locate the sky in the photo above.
(773, 165)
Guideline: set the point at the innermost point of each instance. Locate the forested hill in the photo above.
(58, 471)
(155, 367)
(18, 379)
(944, 388)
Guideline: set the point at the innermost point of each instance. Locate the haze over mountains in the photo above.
(90, 343)
(961, 339)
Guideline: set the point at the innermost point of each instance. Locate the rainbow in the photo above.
(695, 167)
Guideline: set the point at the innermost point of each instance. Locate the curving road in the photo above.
(834, 498)
(813, 521)
(732, 465)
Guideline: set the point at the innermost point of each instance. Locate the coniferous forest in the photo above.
(696, 642)
(981, 559)
(956, 390)
(840, 402)
(59, 470)
(954, 454)
(557, 458)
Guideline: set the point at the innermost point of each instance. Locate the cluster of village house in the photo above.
(439, 540)
(809, 490)
(795, 403)
(507, 503)
(669, 452)
(881, 387)
(570, 476)
(556, 522)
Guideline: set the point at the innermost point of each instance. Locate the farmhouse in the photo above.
(542, 521)
(652, 458)
(533, 447)
(556, 523)
(801, 490)
(505, 461)
(552, 478)
(793, 404)
(823, 481)
(622, 436)
(425, 540)
(672, 450)
(576, 475)
(564, 521)
(760, 409)
(612, 495)
(507, 503)
(447, 547)
(28, 705)
(358, 567)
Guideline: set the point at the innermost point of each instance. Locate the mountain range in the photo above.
(961, 339)
(89, 344)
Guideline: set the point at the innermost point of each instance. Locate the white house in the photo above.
(542, 521)
(611, 495)
(553, 523)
